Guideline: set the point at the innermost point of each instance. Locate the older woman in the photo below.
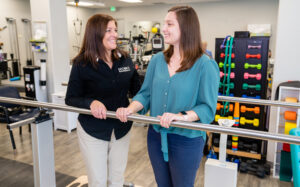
(100, 79)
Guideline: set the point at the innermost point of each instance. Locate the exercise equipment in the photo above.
(258, 56)
(27, 38)
(217, 117)
(211, 155)
(216, 143)
(254, 122)
(230, 94)
(247, 65)
(221, 65)
(42, 148)
(251, 97)
(222, 55)
(157, 42)
(254, 46)
(248, 146)
(219, 106)
(15, 78)
(227, 70)
(33, 84)
(14, 46)
(290, 115)
(255, 168)
(248, 86)
(286, 147)
(222, 46)
(285, 171)
(231, 74)
(3, 69)
(289, 126)
(236, 117)
(235, 138)
(144, 119)
(230, 85)
(291, 99)
(244, 109)
(295, 150)
(77, 25)
(256, 76)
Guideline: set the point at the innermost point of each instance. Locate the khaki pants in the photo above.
(105, 160)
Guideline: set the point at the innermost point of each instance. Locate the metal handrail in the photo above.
(25, 122)
(152, 120)
(248, 100)
(259, 101)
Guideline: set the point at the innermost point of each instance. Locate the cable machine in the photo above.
(27, 37)
(14, 46)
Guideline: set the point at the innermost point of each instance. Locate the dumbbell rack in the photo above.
(256, 49)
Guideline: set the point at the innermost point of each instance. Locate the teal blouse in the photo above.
(194, 89)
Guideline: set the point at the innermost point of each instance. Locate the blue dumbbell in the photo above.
(246, 96)
(230, 95)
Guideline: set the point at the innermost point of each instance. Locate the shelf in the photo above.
(37, 41)
(241, 153)
(280, 122)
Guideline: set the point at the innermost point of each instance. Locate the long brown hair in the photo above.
(92, 45)
(190, 38)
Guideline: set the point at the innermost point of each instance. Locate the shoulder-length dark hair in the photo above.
(190, 38)
(92, 45)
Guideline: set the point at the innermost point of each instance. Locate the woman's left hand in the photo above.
(167, 118)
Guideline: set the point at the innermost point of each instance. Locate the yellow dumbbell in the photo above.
(234, 144)
(235, 138)
(254, 122)
(217, 117)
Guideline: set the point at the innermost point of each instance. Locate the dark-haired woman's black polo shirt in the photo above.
(109, 86)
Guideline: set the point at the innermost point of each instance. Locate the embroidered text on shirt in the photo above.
(124, 69)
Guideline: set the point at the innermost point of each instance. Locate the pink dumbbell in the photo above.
(254, 46)
(231, 74)
(257, 76)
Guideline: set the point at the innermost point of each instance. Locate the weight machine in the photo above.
(27, 38)
(14, 46)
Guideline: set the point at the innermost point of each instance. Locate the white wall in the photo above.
(75, 39)
(17, 9)
(53, 13)
(287, 64)
(217, 19)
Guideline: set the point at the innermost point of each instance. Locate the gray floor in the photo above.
(16, 167)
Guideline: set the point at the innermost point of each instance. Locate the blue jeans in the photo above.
(184, 159)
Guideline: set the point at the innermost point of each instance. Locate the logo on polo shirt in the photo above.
(124, 69)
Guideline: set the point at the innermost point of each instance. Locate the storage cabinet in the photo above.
(285, 123)
(62, 119)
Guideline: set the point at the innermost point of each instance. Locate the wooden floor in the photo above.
(16, 167)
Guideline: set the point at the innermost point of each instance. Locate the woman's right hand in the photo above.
(98, 109)
(123, 113)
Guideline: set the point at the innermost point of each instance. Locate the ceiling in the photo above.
(116, 3)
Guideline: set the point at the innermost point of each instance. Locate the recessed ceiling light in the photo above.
(132, 1)
(86, 3)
